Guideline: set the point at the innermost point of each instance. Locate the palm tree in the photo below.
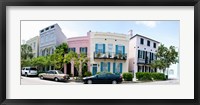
(26, 52)
(71, 57)
(82, 60)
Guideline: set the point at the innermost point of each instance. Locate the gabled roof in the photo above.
(144, 37)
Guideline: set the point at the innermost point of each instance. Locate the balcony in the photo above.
(110, 55)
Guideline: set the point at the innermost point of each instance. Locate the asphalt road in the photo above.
(38, 81)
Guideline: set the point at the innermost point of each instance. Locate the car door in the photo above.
(51, 74)
(109, 78)
(101, 78)
(47, 74)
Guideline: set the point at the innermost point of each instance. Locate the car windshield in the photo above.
(33, 69)
(59, 72)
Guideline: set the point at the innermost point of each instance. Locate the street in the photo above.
(38, 81)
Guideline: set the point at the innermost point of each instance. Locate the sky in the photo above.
(166, 32)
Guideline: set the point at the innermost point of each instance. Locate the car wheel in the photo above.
(41, 77)
(26, 75)
(89, 81)
(56, 79)
(114, 82)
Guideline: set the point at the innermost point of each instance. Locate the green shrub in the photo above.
(127, 76)
(87, 73)
(158, 76)
(144, 76)
(149, 76)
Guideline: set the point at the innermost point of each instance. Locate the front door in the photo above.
(94, 69)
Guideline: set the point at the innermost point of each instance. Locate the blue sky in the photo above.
(166, 32)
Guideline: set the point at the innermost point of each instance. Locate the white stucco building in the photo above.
(50, 37)
(142, 52)
(34, 43)
(108, 52)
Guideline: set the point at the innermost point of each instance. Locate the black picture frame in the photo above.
(5, 3)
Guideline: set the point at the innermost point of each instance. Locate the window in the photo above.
(47, 28)
(41, 31)
(120, 49)
(52, 26)
(154, 45)
(117, 67)
(140, 54)
(110, 48)
(105, 67)
(100, 48)
(72, 49)
(148, 43)
(83, 50)
(141, 41)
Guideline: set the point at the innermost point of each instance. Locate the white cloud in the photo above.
(150, 24)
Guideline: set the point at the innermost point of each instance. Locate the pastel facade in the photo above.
(50, 37)
(142, 52)
(34, 43)
(108, 52)
(78, 45)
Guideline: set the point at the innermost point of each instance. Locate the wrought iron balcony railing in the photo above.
(110, 55)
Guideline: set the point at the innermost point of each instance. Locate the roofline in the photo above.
(144, 37)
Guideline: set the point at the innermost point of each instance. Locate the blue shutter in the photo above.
(114, 67)
(120, 67)
(123, 49)
(101, 66)
(96, 48)
(103, 48)
(108, 66)
(116, 49)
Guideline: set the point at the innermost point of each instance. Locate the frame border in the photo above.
(4, 3)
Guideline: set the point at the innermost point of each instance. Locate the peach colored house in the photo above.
(78, 45)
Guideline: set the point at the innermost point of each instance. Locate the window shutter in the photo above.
(86, 50)
(120, 67)
(96, 48)
(123, 49)
(101, 66)
(103, 48)
(116, 49)
(114, 67)
(108, 66)
(143, 54)
(138, 53)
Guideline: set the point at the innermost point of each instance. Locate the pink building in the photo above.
(78, 45)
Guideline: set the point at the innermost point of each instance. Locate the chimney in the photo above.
(88, 33)
(130, 32)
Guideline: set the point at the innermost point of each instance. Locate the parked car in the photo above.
(56, 75)
(103, 78)
(29, 71)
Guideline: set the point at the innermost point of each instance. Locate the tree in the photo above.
(71, 57)
(26, 52)
(81, 61)
(39, 62)
(165, 57)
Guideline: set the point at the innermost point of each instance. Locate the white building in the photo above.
(50, 37)
(34, 43)
(142, 52)
(108, 52)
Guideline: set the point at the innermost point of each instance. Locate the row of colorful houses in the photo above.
(112, 52)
